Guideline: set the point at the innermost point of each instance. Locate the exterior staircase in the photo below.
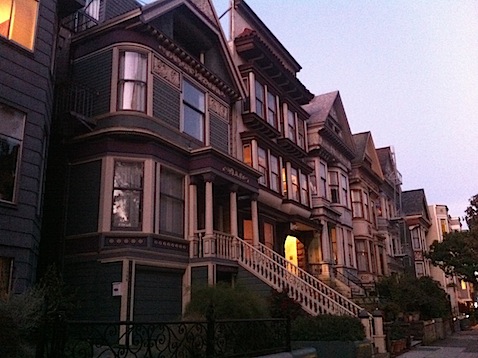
(314, 295)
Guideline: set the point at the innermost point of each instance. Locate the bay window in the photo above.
(366, 206)
(271, 110)
(344, 183)
(291, 126)
(260, 99)
(12, 123)
(194, 109)
(262, 165)
(171, 203)
(275, 173)
(304, 189)
(300, 134)
(18, 19)
(334, 187)
(361, 251)
(132, 81)
(127, 195)
(247, 154)
(294, 179)
(357, 210)
(323, 180)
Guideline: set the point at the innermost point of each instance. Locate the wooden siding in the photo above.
(26, 85)
(166, 103)
(92, 283)
(114, 8)
(95, 73)
(219, 133)
(83, 200)
(158, 294)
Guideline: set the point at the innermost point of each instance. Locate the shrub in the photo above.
(227, 303)
(282, 306)
(327, 328)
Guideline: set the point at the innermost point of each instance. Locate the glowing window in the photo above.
(18, 19)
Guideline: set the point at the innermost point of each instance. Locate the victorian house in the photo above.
(417, 219)
(180, 161)
(28, 39)
(331, 151)
(390, 223)
(366, 180)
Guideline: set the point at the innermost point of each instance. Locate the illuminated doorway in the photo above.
(294, 251)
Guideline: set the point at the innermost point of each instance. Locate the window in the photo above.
(357, 203)
(284, 182)
(247, 154)
(6, 265)
(443, 226)
(193, 111)
(291, 125)
(416, 241)
(18, 20)
(260, 99)
(304, 189)
(132, 81)
(344, 184)
(271, 110)
(362, 255)
(127, 195)
(12, 123)
(351, 248)
(262, 165)
(268, 235)
(92, 8)
(294, 179)
(366, 208)
(300, 134)
(323, 180)
(419, 269)
(275, 173)
(334, 187)
(313, 179)
(171, 203)
(333, 240)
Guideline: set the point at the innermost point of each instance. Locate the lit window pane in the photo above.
(23, 22)
(5, 13)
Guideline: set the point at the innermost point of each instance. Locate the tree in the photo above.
(472, 214)
(457, 254)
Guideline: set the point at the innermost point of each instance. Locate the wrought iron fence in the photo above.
(185, 339)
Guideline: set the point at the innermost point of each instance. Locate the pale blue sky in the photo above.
(406, 70)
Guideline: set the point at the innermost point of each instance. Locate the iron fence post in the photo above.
(210, 334)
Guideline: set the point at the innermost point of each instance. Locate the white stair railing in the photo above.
(314, 295)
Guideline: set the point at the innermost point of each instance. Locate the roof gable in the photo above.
(366, 153)
(327, 111)
(194, 25)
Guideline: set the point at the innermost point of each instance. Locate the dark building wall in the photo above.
(91, 286)
(26, 84)
(114, 8)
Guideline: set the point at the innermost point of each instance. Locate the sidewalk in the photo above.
(462, 344)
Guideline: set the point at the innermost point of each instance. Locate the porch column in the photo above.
(255, 220)
(326, 250)
(233, 209)
(192, 215)
(209, 249)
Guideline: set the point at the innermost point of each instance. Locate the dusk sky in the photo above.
(406, 70)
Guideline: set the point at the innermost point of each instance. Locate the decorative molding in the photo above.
(235, 173)
(218, 108)
(166, 72)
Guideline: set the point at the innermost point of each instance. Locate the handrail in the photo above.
(348, 281)
(314, 295)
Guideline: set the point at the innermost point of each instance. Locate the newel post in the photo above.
(378, 336)
(365, 319)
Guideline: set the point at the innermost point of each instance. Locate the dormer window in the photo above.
(132, 81)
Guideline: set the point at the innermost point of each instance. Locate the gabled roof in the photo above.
(329, 107)
(205, 12)
(414, 202)
(245, 19)
(365, 152)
